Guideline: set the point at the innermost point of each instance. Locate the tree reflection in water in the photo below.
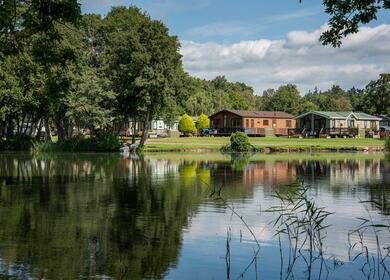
(70, 216)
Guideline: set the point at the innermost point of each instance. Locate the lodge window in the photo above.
(252, 123)
(236, 123)
(288, 123)
(273, 123)
(265, 122)
(373, 124)
(247, 123)
(216, 123)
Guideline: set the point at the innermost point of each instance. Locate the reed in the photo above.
(304, 225)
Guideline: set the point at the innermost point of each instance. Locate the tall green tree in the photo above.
(334, 99)
(286, 99)
(144, 63)
(378, 96)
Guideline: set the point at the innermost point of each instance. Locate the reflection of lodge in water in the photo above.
(269, 174)
(276, 173)
(256, 173)
(341, 172)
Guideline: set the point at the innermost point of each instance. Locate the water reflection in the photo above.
(69, 216)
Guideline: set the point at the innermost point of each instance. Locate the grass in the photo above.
(217, 156)
(275, 144)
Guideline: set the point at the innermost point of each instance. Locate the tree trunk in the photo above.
(47, 130)
(10, 128)
(60, 127)
(28, 124)
(133, 131)
(145, 130)
(39, 130)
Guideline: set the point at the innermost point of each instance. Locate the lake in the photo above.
(194, 216)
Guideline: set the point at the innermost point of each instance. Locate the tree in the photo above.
(144, 64)
(22, 20)
(334, 99)
(346, 16)
(377, 98)
(89, 104)
(203, 122)
(186, 125)
(285, 99)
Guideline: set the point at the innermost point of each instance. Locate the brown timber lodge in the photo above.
(253, 123)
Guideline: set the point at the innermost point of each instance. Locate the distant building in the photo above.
(316, 123)
(385, 120)
(253, 123)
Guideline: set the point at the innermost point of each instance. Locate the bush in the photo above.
(102, 143)
(15, 144)
(203, 122)
(186, 125)
(239, 142)
(387, 145)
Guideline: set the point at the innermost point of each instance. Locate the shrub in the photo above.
(104, 142)
(387, 145)
(203, 122)
(186, 125)
(15, 144)
(239, 142)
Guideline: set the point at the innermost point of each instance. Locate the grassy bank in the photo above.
(273, 144)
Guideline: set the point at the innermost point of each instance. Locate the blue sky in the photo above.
(257, 33)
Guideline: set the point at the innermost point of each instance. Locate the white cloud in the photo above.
(299, 58)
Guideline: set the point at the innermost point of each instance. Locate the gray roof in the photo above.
(340, 115)
(385, 118)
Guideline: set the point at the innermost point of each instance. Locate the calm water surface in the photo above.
(72, 216)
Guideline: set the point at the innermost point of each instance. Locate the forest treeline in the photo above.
(97, 73)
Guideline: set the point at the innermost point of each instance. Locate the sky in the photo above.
(266, 43)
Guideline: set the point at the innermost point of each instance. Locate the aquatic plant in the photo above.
(376, 260)
(303, 222)
(215, 194)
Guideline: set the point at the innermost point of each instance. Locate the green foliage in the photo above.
(239, 142)
(286, 99)
(347, 16)
(15, 144)
(89, 105)
(387, 145)
(104, 142)
(143, 62)
(334, 99)
(186, 125)
(377, 97)
(20, 21)
(203, 122)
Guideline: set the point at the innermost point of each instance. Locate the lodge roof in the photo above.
(258, 114)
(340, 115)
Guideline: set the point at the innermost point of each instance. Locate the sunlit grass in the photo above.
(215, 143)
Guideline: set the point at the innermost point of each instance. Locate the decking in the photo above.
(324, 132)
(252, 132)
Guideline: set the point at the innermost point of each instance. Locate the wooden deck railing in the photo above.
(348, 132)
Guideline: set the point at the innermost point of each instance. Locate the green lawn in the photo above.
(280, 144)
